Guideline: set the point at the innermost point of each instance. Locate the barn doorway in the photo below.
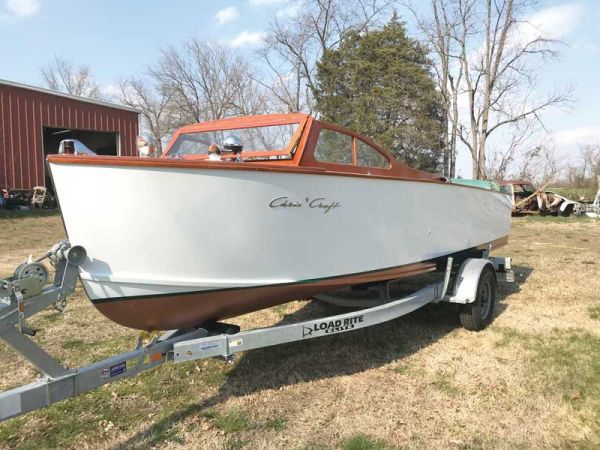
(101, 142)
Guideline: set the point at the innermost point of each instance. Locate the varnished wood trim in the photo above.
(245, 122)
(259, 120)
(189, 309)
(253, 166)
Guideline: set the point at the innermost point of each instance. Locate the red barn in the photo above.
(33, 121)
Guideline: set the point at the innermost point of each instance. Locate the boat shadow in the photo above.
(273, 368)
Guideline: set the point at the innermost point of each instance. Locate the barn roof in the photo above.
(69, 96)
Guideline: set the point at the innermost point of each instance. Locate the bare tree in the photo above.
(502, 159)
(294, 46)
(282, 78)
(583, 173)
(62, 76)
(539, 165)
(206, 81)
(501, 77)
(495, 55)
(439, 31)
(154, 104)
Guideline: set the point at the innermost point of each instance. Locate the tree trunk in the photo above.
(452, 149)
(445, 144)
(481, 175)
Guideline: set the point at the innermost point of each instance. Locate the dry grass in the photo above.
(531, 380)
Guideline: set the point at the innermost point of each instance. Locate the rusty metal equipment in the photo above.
(528, 199)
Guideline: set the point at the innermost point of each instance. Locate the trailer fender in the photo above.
(467, 280)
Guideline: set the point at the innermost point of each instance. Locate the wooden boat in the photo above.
(179, 240)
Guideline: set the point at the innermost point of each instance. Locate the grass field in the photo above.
(530, 380)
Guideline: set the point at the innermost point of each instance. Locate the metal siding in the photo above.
(28, 156)
(10, 150)
(34, 118)
(3, 165)
(24, 112)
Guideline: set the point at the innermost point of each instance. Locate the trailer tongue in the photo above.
(473, 285)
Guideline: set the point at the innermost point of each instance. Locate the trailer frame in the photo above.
(23, 297)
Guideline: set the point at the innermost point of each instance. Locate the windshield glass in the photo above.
(256, 139)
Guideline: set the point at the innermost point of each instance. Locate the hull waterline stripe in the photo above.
(495, 244)
(241, 288)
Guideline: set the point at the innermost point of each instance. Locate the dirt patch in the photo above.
(528, 380)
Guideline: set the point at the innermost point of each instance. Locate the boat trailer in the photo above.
(473, 286)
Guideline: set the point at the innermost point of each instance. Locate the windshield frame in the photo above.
(287, 153)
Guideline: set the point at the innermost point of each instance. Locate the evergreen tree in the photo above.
(379, 84)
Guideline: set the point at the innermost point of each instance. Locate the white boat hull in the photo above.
(156, 231)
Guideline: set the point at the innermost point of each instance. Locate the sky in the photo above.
(117, 39)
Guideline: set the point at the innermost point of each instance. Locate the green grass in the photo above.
(564, 363)
(444, 382)
(571, 361)
(79, 350)
(281, 310)
(576, 194)
(166, 434)
(29, 230)
(126, 403)
(6, 214)
(234, 421)
(275, 424)
(480, 443)
(364, 442)
(215, 372)
(235, 443)
(77, 344)
(314, 446)
(152, 410)
(51, 317)
(509, 336)
(551, 219)
(66, 422)
(401, 369)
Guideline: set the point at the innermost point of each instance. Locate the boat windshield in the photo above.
(267, 139)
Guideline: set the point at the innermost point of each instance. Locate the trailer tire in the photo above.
(477, 315)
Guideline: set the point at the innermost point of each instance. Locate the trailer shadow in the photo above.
(275, 367)
(505, 290)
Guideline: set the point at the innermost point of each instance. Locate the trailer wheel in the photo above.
(477, 315)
